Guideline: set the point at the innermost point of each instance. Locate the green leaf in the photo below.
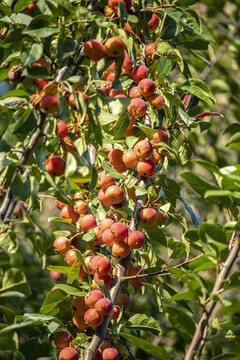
(4, 257)
(184, 152)
(8, 342)
(147, 130)
(39, 27)
(161, 66)
(156, 235)
(199, 89)
(20, 5)
(154, 350)
(30, 51)
(176, 248)
(71, 164)
(65, 46)
(234, 141)
(121, 124)
(226, 356)
(89, 236)
(9, 315)
(202, 263)
(52, 300)
(197, 182)
(191, 212)
(141, 191)
(186, 295)
(144, 322)
(180, 320)
(208, 232)
(168, 52)
(71, 289)
(186, 118)
(15, 280)
(59, 192)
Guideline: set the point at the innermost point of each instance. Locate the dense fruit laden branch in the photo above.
(120, 270)
(200, 334)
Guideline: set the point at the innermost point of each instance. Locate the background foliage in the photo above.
(202, 192)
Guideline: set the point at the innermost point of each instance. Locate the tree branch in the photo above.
(200, 334)
(120, 268)
(163, 271)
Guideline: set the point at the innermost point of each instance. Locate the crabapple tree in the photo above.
(102, 108)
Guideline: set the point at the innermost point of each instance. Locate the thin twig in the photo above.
(201, 331)
(162, 271)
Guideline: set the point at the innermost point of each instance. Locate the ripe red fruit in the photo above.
(156, 157)
(127, 63)
(120, 96)
(121, 249)
(161, 218)
(92, 318)
(120, 168)
(130, 159)
(153, 22)
(146, 87)
(62, 128)
(61, 204)
(78, 306)
(40, 83)
(71, 257)
(79, 322)
(68, 144)
(139, 73)
(108, 237)
(102, 197)
(68, 212)
(106, 278)
(114, 3)
(119, 231)
(106, 224)
(110, 354)
(143, 149)
(115, 47)
(92, 297)
(72, 102)
(134, 92)
(80, 207)
(106, 72)
(103, 306)
(68, 353)
(136, 239)
(20, 208)
(54, 165)
(137, 107)
(62, 244)
(62, 339)
(115, 157)
(146, 168)
(87, 222)
(98, 234)
(101, 265)
(114, 194)
(49, 104)
(156, 101)
(148, 216)
(133, 271)
(87, 261)
(160, 136)
(94, 50)
(116, 92)
(106, 86)
(116, 312)
(104, 181)
(125, 300)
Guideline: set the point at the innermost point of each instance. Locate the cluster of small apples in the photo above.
(112, 8)
(62, 340)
